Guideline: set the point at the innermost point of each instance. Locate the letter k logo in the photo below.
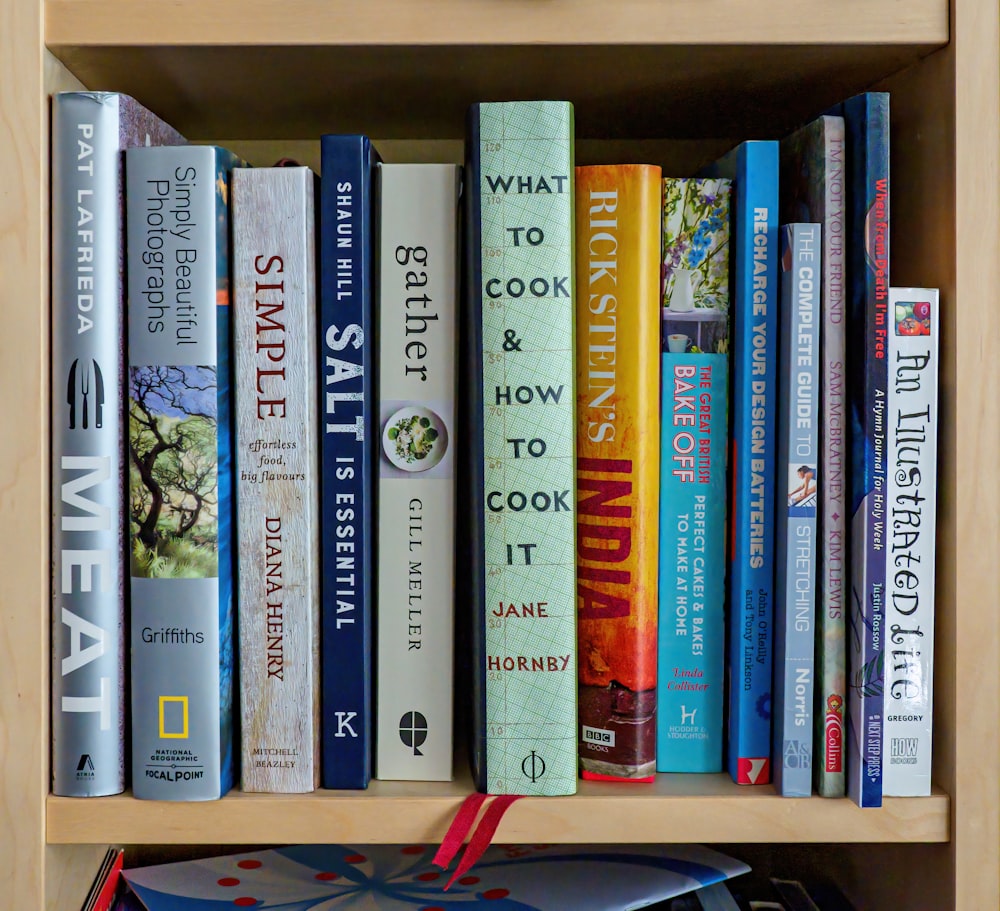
(344, 720)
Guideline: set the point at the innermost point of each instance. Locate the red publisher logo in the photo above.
(753, 770)
(834, 734)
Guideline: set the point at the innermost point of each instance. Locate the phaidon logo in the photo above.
(85, 395)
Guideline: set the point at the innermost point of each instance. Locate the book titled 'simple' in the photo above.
(277, 476)
(181, 498)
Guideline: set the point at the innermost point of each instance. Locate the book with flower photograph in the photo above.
(693, 434)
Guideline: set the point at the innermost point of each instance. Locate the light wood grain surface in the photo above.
(404, 22)
(676, 808)
(23, 458)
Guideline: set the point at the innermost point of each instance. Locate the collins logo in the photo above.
(85, 395)
(413, 731)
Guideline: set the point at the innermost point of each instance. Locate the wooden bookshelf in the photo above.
(671, 81)
(676, 808)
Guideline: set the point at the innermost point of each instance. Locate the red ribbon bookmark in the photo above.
(481, 838)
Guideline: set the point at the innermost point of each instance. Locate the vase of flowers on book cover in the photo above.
(695, 268)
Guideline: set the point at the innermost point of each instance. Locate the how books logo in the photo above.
(904, 750)
(85, 395)
(413, 731)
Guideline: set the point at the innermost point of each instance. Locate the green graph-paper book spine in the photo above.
(525, 191)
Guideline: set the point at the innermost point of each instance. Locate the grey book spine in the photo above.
(180, 477)
(89, 131)
(277, 449)
(796, 509)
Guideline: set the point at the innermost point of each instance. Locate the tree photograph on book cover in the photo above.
(173, 467)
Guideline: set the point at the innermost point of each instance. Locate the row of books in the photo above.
(315, 498)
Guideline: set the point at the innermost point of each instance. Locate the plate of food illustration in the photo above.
(414, 438)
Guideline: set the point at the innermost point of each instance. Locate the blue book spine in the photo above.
(866, 121)
(346, 366)
(181, 495)
(753, 167)
(798, 499)
(689, 729)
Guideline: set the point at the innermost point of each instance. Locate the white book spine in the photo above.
(276, 416)
(417, 297)
(911, 432)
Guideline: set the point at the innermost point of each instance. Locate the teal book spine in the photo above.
(689, 730)
(694, 427)
(181, 498)
(518, 410)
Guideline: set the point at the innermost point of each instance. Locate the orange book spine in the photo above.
(618, 456)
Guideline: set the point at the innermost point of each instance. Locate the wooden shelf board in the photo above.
(269, 91)
(493, 22)
(676, 808)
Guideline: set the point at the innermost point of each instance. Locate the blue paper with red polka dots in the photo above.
(402, 878)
